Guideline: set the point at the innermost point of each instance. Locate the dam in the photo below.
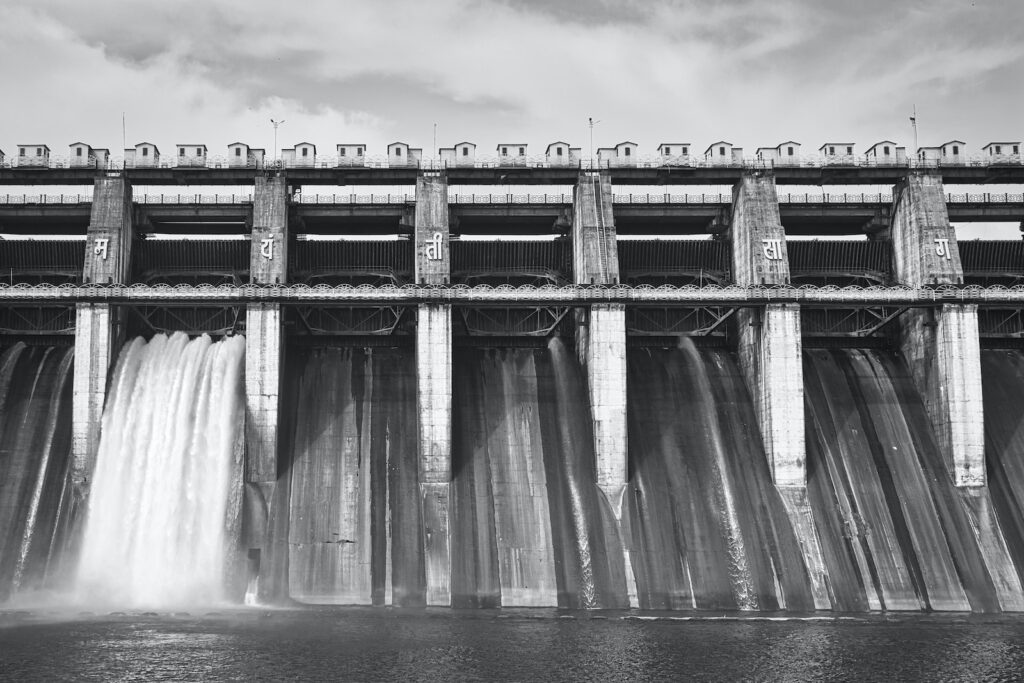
(388, 386)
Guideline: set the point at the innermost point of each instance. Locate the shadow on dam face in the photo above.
(703, 527)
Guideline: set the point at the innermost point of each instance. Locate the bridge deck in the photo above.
(569, 295)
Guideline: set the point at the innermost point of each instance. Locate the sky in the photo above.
(752, 72)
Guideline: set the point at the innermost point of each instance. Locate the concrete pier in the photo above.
(266, 499)
(942, 345)
(601, 342)
(770, 355)
(97, 332)
(769, 339)
(601, 332)
(263, 347)
(434, 385)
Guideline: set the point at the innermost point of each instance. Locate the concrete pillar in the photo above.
(601, 342)
(770, 357)
(601, 331)
(770, 354)
(769, 340)
(434, 385)
(266, 502)
(268, 264)
(941, 345)
(97, 332)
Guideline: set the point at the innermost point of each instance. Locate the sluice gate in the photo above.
(496, 420)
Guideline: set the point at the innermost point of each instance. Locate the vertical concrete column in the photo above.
(770, 354)
(107, 261)
(769, 340)
(268, 264)
(601, 331)
(601, 344)
(434, 385)
(941, 345)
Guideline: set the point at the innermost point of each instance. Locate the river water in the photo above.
(334, 643)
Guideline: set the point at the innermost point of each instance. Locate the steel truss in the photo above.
(700, 321)
(193, 320)
(537, 321)
(1001, 322)
(348, 320)
(37, 320)
(848, 322)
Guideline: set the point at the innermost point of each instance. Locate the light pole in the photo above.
(276, 124)
(592, 123)
(913, 122)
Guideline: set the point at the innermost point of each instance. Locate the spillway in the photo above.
(702, 525)
(530, 526)
(353, 529)
(896, 534)
(708, 528)
(35, 444)
(164, 512)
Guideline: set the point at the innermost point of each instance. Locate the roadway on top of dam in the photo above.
(636, 213)
(652, 174)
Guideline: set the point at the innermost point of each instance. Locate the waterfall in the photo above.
(35, 441)
(164, 506)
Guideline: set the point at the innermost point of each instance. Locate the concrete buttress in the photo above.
(769, 340)
(942, 347)
(266, 501)
(97, 330)
(601, 341)
(434, 386)
(268, 264)
(770, 355)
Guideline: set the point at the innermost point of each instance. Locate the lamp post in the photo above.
(592, 123)
(913, 122)
(276, 124)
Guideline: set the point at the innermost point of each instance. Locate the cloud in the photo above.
(650, 70)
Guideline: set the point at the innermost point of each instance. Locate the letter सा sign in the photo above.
(772, 249)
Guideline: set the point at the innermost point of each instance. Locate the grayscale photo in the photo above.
(511, 340)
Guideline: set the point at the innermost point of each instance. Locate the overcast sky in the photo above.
(753, 72)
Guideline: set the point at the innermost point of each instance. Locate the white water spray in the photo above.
(163, 508)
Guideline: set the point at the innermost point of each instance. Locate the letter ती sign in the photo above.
(772, 249)
(433, 248)
(942, 248)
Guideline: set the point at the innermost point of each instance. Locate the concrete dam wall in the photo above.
(850, 455)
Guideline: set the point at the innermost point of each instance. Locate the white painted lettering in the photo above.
(100, 247)
(433, 250)
(942, 248)
(267, 248)
(772, 249)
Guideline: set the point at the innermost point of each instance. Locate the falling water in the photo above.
(895, 535)
(35, 440)
(163, 511)
(708, 529)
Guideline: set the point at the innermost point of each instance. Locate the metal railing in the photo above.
(172, 161)
(513, 198)
(507, 295)
(188, 198)
(46, 198)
